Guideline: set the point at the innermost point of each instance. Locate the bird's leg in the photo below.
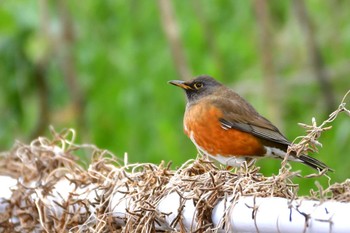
(204, 155)
(250, 162)
(247, 164)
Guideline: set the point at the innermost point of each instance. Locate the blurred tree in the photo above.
(171, 30)
(266, 37)
(316, 60)
(102, 68)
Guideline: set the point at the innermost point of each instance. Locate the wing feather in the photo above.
(245, 118)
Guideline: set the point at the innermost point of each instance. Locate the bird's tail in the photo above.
(314, 163)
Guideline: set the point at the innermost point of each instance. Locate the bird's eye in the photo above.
(198, 85)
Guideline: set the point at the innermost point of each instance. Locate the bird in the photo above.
(225, 127)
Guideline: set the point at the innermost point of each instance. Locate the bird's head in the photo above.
(197, 88)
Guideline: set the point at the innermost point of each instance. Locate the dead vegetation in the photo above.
(37, 203)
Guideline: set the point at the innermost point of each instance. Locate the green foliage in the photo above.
(121, 62)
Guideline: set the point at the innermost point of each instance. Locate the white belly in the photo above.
(233, 161)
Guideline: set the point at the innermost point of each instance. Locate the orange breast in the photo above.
(203, 125)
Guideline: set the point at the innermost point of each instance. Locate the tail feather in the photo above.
(314, 163)
(305, 159)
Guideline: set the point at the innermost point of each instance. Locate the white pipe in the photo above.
(247, 214)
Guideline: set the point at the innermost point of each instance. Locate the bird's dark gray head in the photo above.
(197, 88)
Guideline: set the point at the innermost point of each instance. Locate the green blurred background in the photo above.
(101, 67)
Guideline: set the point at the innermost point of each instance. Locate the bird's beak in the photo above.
(181, 84)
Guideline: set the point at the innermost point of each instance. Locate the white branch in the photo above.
(247, 214)
(273, 214)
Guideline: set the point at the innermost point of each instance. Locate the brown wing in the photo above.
(239, 114)
(261, 132)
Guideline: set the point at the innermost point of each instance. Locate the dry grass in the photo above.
(310, 142)
(40, 165)
(44, 162)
